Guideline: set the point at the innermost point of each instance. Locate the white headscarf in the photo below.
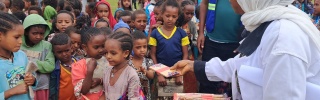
(260, 11)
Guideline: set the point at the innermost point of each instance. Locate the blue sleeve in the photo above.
(148, 13)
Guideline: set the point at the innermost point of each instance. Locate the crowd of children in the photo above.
(95, 54)
(92, 55)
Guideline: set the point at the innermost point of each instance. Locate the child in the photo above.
(121, 26)
(139, 19)
(87, 73)
(184, 21)
(140, 63)
(90, 10)
(126, 5)
(61, 87)
(20, 15)
(75, 37)
(125, 16)
(317, 13)
(49, 13)
(77, 7)
(13, 61)
(103, 10)
(83, 21)
(63, 20)
(101, 23)
(3, 7)
(35, 10)
(155, 20)
(121, 79)
(27, 4)
(169, 44)
(8, 4)
(117, 13)
(39, 51)
(17, 5)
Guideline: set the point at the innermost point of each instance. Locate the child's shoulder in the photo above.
(79, 63)
(46, 42)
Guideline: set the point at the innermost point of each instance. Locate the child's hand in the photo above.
(96, 82)
(91, 65)
(29, 79)
(106, 19)
(144, 71)
(162, 81)
(20, 89)
(179, 80)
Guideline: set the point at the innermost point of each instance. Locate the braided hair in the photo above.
(8, 22)
(87, 35)
(125, 39)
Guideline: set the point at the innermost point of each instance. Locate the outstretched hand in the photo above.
(183, 67)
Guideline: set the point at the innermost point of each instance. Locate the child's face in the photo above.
(156, 12)
(140, 22)
(317, 7)
(188, 12)
(117, 14)
(103, 11)
(87, 9)
(75, 41)
(95, 47)
(33, 12)
(12, 40)
(126, 19)
(62, 52)
(140, 47)
(36, 34)
(64, 20)
(102, 24)
(170, 16)
(26, 4)
(114, 54)
(126, 3)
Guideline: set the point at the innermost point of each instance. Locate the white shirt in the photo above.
(288, 59)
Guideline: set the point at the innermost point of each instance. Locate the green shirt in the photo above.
(227, 24)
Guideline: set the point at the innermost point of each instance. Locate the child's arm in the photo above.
(87, 82)
(47, 65)
(153, 54)
(185, 52)
(81, 77)
(185, 43)
(17, 90)
(153, 44)
(150, 73)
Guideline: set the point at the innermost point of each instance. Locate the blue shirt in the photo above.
(11, 74)
(169, 49)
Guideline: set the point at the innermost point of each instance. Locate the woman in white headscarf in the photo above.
(279, 58)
